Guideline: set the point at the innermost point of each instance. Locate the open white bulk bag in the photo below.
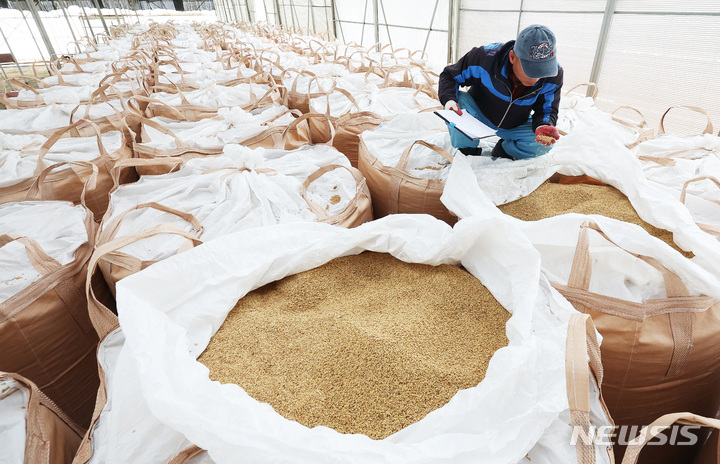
(162, 401)
(32, 98)
(599, 155)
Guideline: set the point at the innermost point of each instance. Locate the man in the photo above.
(514, 88)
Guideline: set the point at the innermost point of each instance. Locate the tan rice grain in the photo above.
(552, 199)
(364, 344)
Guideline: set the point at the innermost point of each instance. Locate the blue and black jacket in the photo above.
(485, 71)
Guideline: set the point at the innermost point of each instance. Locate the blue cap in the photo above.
(535, 46)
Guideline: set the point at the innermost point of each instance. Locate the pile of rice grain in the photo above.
(364, 344)
(551, 199)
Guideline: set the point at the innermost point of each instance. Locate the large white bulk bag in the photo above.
(598, 155)
(577, 110)
(242, 189)
(161, 401)
(687, 167)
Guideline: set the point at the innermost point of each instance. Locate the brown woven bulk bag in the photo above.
(348, 129)
(51, 437)
(394, 191)
(299, 100)
(308, 129)
(78, 181)
(294, 135)
(46, 334)
(659, 356)
(710, 451)
(116, 265)
(708, 455)
(357, 212)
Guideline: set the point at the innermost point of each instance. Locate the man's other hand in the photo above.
(546, 135)
(452, 105)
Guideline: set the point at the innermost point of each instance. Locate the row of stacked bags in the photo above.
(231, 174)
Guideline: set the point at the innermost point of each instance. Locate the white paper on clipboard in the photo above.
(467, 124)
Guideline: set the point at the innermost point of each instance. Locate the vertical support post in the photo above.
(102, 18)
(376, 21)
(250, 16)
(63, 7)
(87, 19)
(310, 15)
(219, 10)
(602, 42)
(7, 42)
(456, 32)
(267, 17)
(37, 45)
(278, 18)
(450, 34)
(235, 11)
(229, 10)
(520, 12)
(294, 16)
(136, 10)
(41, 29)
(432, 20)
(117, 16)
(333, 18)
(226, 11)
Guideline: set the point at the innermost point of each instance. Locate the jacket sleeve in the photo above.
(453, 77)
(545, 109)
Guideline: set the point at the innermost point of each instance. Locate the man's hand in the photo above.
(452, 105)
(546, 135)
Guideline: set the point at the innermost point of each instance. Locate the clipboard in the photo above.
(466, 123)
